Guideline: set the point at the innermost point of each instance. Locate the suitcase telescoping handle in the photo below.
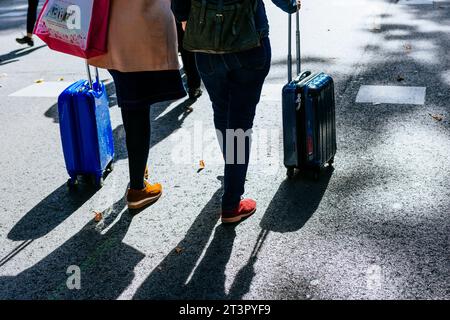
(297, 45)
(97, 77)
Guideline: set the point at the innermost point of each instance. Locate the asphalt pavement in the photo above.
(376, 226)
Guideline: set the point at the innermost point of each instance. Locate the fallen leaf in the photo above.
(202, 164)
(98, 216)
(61, 79)
(178, 250)
(314, 283)
(408, 47)
(437, 117)
(39, 81)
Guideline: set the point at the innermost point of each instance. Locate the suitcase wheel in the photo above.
(97, 182)
(290, 173)
(110, 167)
(316, 174)
(72, 183)
(330, 163)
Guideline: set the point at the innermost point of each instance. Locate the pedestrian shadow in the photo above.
(295, 202)
(163, 126)
(243, 279)
(50, 213)
(180, 275)
(15, 55)
(168, 280)
(106, 264)
(197, 271)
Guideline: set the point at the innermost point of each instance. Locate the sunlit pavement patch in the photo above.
(446, 77)
(416, 2)
(272, 92)
(45, 89)
(391, 95)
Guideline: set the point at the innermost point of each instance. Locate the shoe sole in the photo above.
(238, 218)
(143, 203)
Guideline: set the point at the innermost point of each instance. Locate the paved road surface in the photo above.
(376, 227)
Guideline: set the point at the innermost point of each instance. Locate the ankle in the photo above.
(137, 187)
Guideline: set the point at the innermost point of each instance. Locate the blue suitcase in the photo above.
(86, 132)
(309, 120)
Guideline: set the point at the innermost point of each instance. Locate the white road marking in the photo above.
(45, 89)
(391, 95)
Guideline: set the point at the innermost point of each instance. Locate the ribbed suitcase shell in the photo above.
(86, 131)
(309, 122)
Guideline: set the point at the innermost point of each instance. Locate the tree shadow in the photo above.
(294, 203)
(15, 55)
(419, 54)
(106, 264)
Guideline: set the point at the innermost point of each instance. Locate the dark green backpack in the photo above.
(218, 26)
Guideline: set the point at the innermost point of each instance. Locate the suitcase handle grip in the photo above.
(97, 76)
(297, 47)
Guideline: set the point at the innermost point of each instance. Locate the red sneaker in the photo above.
(246, 208)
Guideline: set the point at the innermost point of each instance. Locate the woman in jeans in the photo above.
(143, 60)
(234, 82)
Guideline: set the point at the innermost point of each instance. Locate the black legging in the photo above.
(136, 122)
(32, 15)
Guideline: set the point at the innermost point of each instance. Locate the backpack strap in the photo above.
(203, 12)
(219, 23)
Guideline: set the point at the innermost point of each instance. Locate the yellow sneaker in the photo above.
(138, 199)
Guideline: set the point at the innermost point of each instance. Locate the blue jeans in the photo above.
(234, 83)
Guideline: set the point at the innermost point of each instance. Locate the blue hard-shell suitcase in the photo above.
(86, 132)
(309, 121)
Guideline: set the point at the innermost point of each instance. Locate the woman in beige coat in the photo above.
(143, 60)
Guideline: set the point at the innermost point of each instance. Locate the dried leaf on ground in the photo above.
(178, 250)
(202, 164)
(437, 117)
(98, 216)
(61, 79)
(39, 81)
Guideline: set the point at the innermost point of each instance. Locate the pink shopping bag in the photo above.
(75, 27)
